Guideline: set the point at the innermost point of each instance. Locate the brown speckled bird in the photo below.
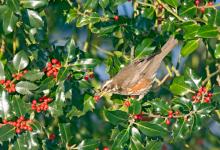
(137, 77)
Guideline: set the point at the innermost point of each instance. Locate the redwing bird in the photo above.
(137, 77)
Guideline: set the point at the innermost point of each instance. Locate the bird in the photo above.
(137, 78)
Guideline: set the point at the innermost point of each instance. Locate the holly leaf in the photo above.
(19, 106)
(4, 104)
(116, 117)
(25, 87)
(20, 60)
(151, 129)
(88, 144)
(179, 87)
(33, 75)
(65, 132)
(7, 132)
(34, 4)
(121, 138)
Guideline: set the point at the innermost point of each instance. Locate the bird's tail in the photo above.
(167, 47)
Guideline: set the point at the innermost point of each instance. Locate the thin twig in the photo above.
(209, 76)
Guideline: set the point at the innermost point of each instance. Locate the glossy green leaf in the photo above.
(103, 3)
(179, 87)
(116, 117)
(154, 145)
(88, 145)
(20, 60)
(160, 106)
(35, 19)
(2, 71)
(13, 5)
(120, 139)
(65, 132)
(27, 139)
(34, 4)
(135, 140)
(149, 13)
(19, 106)
(207, 31)
(190, 29)
(90, 4)
(71, 15)
(82, 21)
(192, 79)
(9, 21)
(173, 3)
(89, 103)
(180, 129)
(4, 104)
(7, 132)
(103, 30)
(25, 87)
(135, 108)
(33, 75)
(217, 51)
(188, 9)
(189, 47)
(150, 129)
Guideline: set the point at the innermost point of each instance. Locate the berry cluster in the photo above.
(21, 124)
(202, 8)
(43, 106)
(127, 103)
(88, 76)
(19, 75)
(202, 96)
(52, 68)
(171, 114)
(8, 85)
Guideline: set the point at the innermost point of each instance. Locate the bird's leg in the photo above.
(132, 53)
(141, 97)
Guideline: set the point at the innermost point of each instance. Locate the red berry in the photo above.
(127, 103)
(177, 113)
(96, 98)
(25, 127)
(33, 107)
(25, 71)
(5, 121)
(168, 121)
(170, 112)
(21, 118)
(14, 75)
(105, 148)
(49, 64)
(210, 94)
(54, 61)
(116, 18)
(18, 131)
(194, 97)
(55, 73)
(202, 10)
(86, 77)
(34, 102)
(52, 136)
(170, 116)
(207, 100)
(2, 81)
(14, 123)
(210, 3)
(29, 128)
(197, 2)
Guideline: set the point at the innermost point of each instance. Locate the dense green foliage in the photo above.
(48, 91)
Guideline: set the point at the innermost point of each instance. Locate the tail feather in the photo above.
(169, 45)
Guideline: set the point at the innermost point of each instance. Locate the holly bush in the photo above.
(56, 54)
